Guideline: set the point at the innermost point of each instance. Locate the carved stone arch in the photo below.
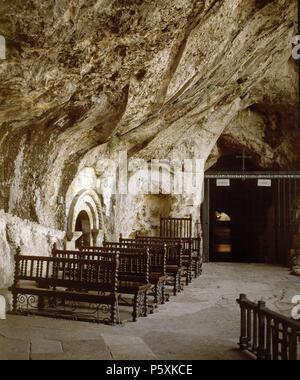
(89, 201)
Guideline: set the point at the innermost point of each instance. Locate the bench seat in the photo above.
(131, 287)
(174, 269)
(157, 277)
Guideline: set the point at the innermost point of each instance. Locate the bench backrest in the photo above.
(176, 227)
(195, 242)
(175, 248)
(157, 253)
(84, 255)
(69, 272)
(186, 243)
(134, 262)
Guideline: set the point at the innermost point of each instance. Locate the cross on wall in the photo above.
(243, 157)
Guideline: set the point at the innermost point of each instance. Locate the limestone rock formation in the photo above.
(33, 238)
(85, 79)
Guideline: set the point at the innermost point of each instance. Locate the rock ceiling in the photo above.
(181, 78)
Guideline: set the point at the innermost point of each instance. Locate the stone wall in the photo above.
(33, 239)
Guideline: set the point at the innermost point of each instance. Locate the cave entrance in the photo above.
(83, 225)
(248, 216)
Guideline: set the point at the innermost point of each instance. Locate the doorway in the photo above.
(249, 216)
(83, 225)
(241, 221)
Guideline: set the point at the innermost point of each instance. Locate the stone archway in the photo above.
(86, 209)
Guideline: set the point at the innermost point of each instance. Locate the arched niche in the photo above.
(85, 214)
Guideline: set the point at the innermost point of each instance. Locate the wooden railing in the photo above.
(267, 334)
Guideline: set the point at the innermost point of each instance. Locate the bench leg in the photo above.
(153, 305)
(175, 286)
(52, 302)
(196, 268)
(135, 307)
(160, 293)
(15, 302)
(41, 302)
(139, 306)
(144, 312)
(156, 301)
(178, 284)
(190, 272)
(187, 276)
(163, 294)
(200, 268)
(113, 315)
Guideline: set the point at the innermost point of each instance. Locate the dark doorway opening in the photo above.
(248, 215)
(83, 225)
(241, 221)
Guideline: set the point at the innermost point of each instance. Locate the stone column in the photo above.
(70, 243)
(95, 233)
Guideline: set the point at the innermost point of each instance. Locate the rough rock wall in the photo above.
(164, 78)
(84, 79)
(32, 238)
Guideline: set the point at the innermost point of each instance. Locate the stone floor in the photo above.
(200, 323)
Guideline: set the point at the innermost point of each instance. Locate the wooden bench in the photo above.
(182, 228)
(157, 267)
(186, 252)
(66, 287)
(267, 334)
(174, 265)
(133, 275)
(176, 227)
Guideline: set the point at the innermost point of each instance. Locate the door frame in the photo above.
(287, 188)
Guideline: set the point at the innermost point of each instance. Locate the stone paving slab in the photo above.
(14, 349)
(29, 328)
(128, 348)
(181, 346)
(44, 346)
(88, 349)
(77, 350)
